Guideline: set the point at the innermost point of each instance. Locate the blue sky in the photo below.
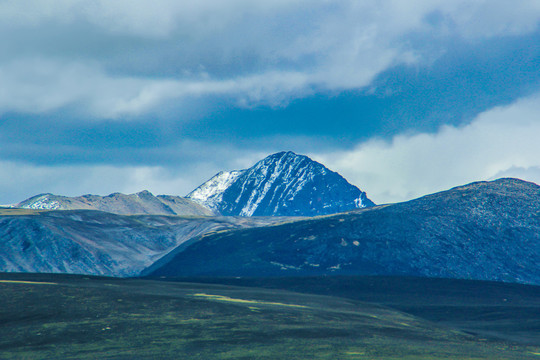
(402, 98)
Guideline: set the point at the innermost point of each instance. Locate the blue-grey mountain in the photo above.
(484, 231)
(282, 184)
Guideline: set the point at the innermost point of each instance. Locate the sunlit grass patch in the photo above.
(18, 211)
(27, 282)
(244, 301)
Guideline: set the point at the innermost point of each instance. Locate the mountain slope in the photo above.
(283, 184)
(142, 202)
(99, 243)
(484, 231)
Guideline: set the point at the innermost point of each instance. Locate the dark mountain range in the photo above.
(283, 184)
(484, 231)
(95, 242)
(142, 202)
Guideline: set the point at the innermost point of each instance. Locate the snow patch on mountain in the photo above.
(41, 202)
(359, 203)
(210, 193)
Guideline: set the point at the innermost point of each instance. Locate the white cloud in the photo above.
(157, 19)
(485, 18)
(36, 86)
(294, 48)
(162, 17)
(500, 142)
(199, 162)
(26, 180)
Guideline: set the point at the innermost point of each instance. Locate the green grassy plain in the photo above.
(487, 309)
(45, 316)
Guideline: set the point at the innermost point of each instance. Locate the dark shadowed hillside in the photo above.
(484, 230)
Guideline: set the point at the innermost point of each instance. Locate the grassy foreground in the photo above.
(505, 311)
(77, 317)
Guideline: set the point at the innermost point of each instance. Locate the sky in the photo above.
(402, 98)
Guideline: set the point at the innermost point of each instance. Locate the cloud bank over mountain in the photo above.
(501, 142)
(113, 59)
(164, 95)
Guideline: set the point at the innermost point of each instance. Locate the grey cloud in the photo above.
(36, 86)
(141, 54)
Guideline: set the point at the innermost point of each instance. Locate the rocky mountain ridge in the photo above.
(282, 184)
(143, 202)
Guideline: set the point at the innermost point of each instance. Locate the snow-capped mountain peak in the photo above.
(281, 184)
(41, 202)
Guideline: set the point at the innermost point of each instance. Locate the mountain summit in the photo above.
(282, 184)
